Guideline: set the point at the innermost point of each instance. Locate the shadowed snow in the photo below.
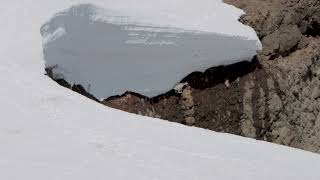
(112, 56)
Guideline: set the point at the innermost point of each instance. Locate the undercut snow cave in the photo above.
(109, 52)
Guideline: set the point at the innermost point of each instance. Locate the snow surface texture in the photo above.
(145, 49)
(49, 132)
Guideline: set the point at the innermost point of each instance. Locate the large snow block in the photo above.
(143, 49)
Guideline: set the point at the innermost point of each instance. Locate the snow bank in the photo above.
(48, 132)
(145, 49)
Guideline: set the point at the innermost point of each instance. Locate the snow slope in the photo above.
(48, 132)
(144, 46)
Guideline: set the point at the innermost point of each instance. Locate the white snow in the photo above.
(48, 132)
(146, 49)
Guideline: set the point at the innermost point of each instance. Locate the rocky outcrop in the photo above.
(219, 99)
(276, 97)
(289, 31)
(75, 87)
